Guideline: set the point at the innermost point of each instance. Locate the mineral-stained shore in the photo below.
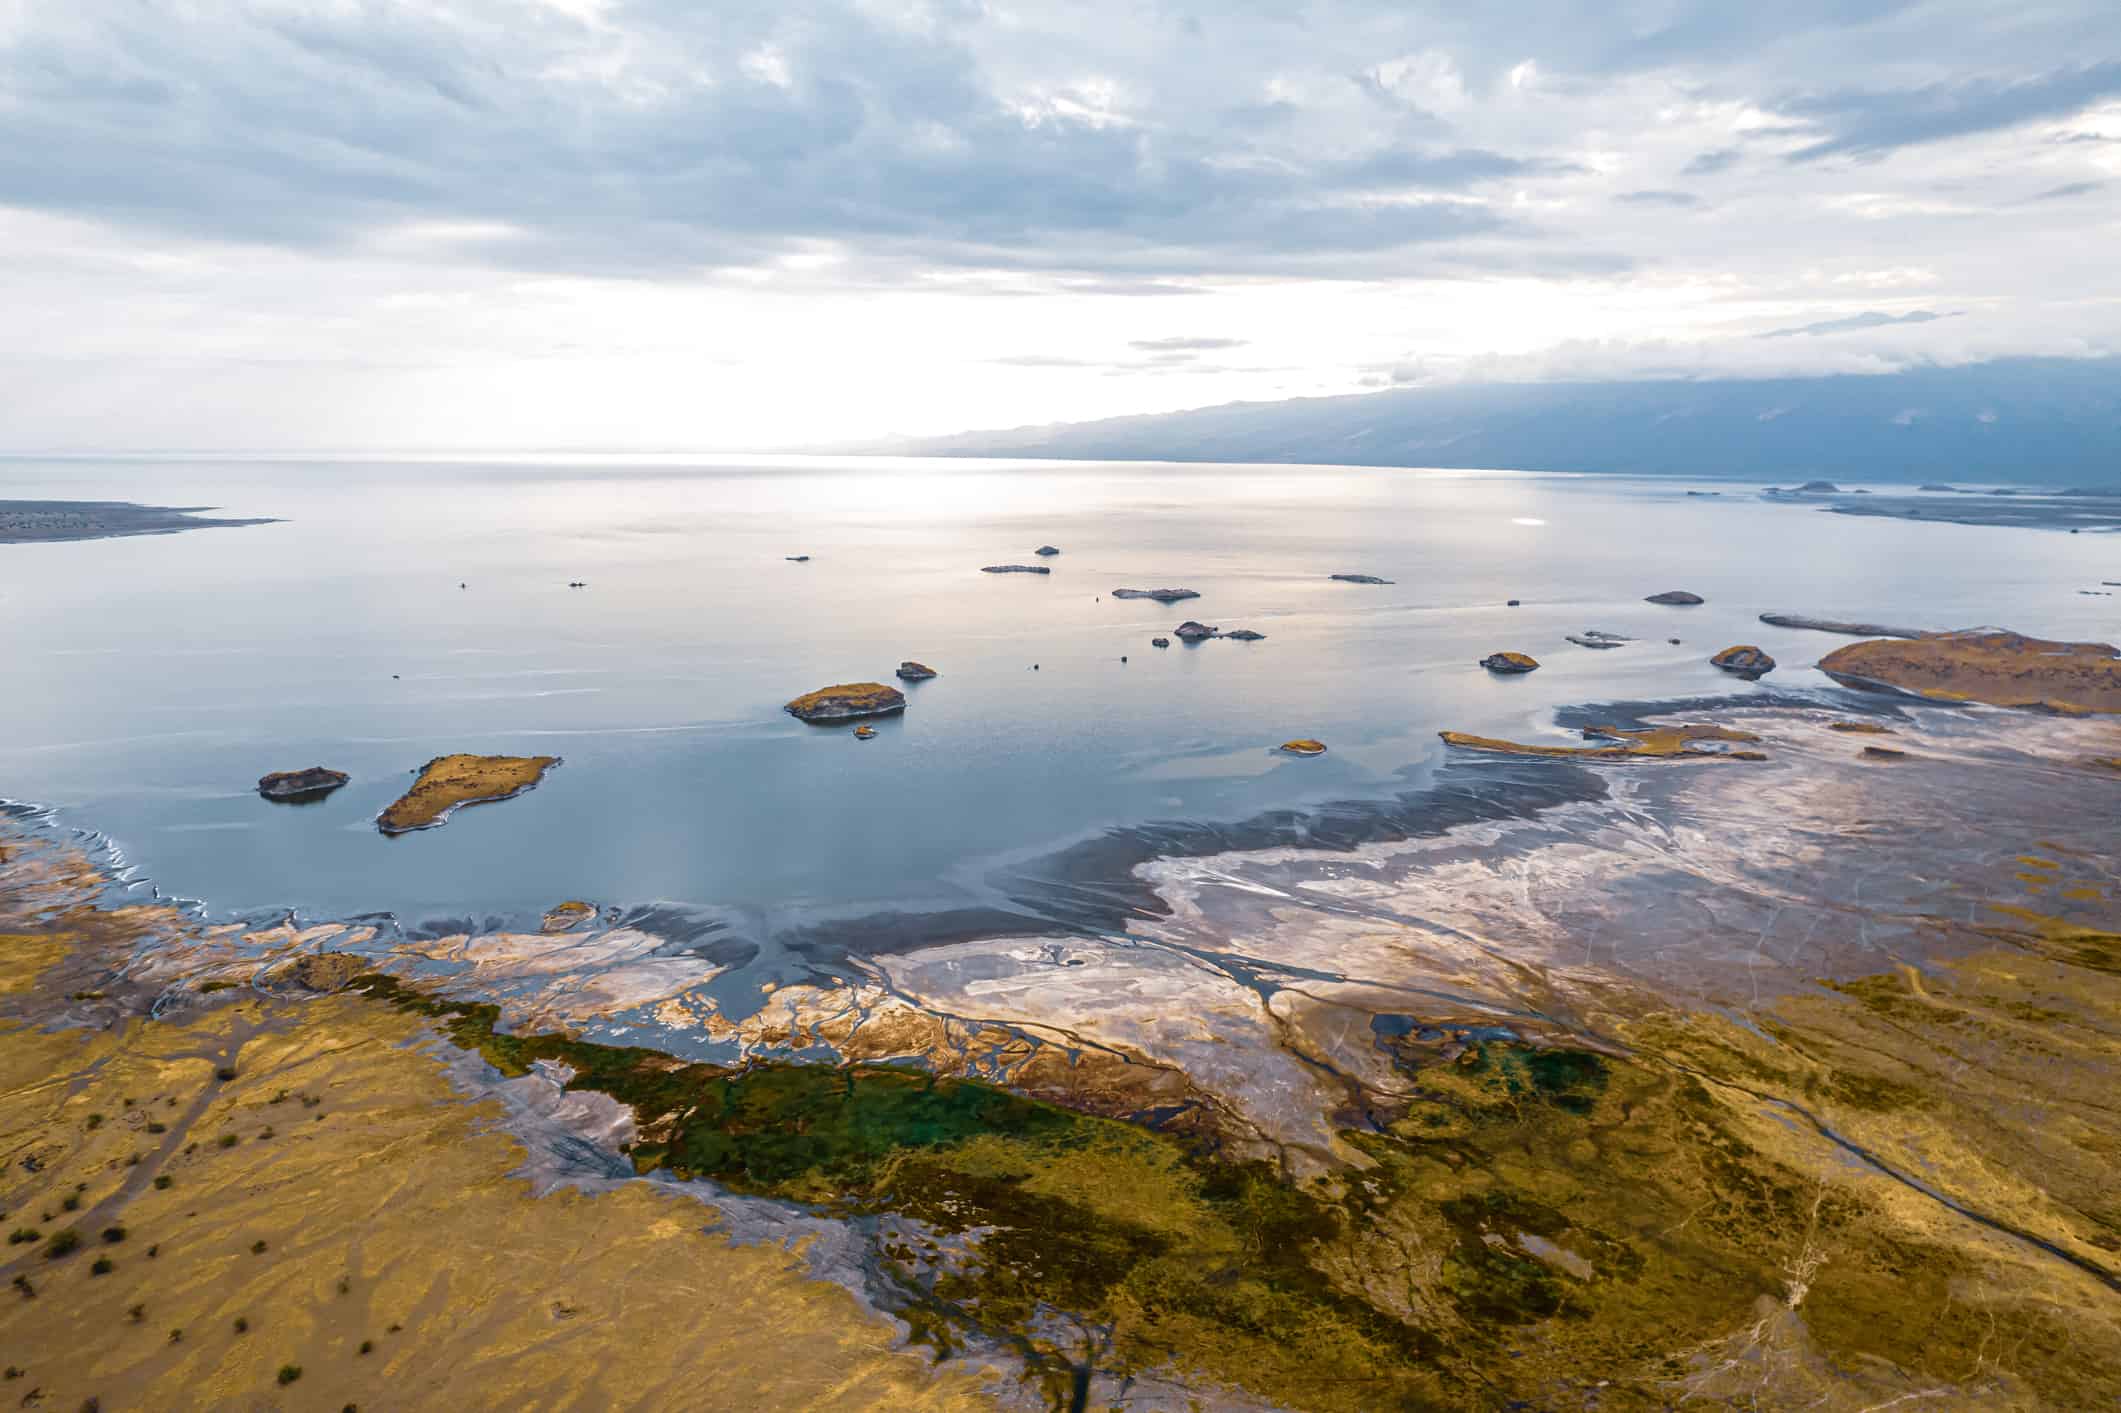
(1787, 1086)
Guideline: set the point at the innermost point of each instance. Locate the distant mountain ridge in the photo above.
(2027, 421)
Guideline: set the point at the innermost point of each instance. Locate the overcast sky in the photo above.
(711, 223)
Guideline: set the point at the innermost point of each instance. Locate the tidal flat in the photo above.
(1754, 1087)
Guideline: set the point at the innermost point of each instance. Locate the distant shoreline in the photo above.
(58, 521)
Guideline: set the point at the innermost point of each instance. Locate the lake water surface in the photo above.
(154, 679)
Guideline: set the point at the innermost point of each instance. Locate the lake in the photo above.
(156, 678)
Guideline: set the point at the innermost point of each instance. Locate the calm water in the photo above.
(154, 679)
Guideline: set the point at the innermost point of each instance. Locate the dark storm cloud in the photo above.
(1855, 322)
(1865, 122)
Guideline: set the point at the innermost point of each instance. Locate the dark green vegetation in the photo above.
(1534, 1221)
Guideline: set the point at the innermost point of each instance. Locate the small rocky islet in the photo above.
(1016, 569)
(447, 784)
(1744, 660)
(1160, 595)
(1303, 746)
(313, 783)
(910, 671)
(847, 701)
(1678, 598)
(1510, 663)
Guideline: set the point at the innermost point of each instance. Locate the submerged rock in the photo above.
(1991, 665)
(1016, 569)
(1047, 550)
(448, 783)
(1936, 486)
(1160, 595)
(846, 702)
(1745, 660)
(915, 672)
(1835, 625)
(1507, 662)
(1675, 596)
(1699, 742)
(1819, 488)
(1513, 603)
(1360, 579)
(1304, 746)
(1883, 753)
(1243, 635)
(1595, 638)
(311, 784)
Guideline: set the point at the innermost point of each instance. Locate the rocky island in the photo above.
(1510, 662)
(1744, 660)
(1304, 746)
(1990, 665)
(847, 702)
(1359, 579)
(449, 783)
(300, 785)
(1676, 597)
(1016, 569)
(915, 672)
(1160, 595)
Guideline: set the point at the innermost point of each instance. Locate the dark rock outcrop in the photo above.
(1047, 550)
(1507, 662)
(311, 784)
(1675, 596)
(1015, 569)
(1596, 638)
(1193, 632)
(1159, 642)
(1160, 595)
(1360, 579)
(1243, 635)
(915, 672)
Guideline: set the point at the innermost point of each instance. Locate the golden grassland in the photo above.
(1999, 668)
(333, 1207)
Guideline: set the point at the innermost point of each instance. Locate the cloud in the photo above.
(1185, 345)
(1854, 322)
(1704, 164)
(1680, 200)
(1863, 122)
(2067, 190)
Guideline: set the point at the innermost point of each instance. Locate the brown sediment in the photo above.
(448, 783)
(847, 701)
(1992, 666)
(1651, 743)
